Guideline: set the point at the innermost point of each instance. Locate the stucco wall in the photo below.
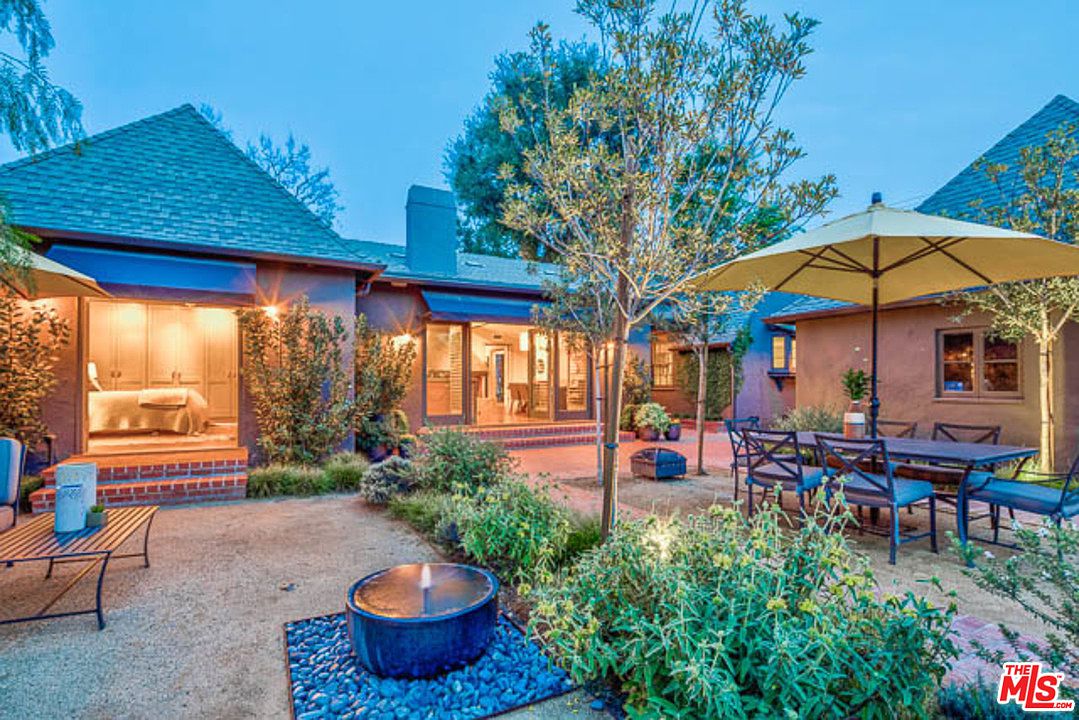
(828, 346)
(330, 290)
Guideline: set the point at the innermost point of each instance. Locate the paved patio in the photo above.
(199, 633)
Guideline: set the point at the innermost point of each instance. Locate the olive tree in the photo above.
(657, 170)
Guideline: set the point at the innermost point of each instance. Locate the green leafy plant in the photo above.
(626, 419)
(976, 701)
(855, 384)
(717, 378)
(816, 418)
(98, 508)
(280, 479)
(724, 617)
(1042, 579)
(30, 483)
(637, 382)
(387, 479)
(514, 528)
(454, 461)
(383, 376)
(375, 431)
(431, 513)
(294, 370)
(345, 471)
(652, 415)
(31, 338)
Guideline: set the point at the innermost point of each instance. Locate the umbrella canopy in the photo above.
(49, 278)
(916, 255)
(884, 255)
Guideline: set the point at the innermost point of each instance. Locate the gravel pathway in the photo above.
(199, 633)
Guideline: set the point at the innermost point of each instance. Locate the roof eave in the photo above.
(845, 310)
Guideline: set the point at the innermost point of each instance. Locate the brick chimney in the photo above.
(431, 231)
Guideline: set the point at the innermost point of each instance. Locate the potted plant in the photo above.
(376, 437)
(674, 430)
(855, 387)
(651, 421)
(95, 516)
(406, 446)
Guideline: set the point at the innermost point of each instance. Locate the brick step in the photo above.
(523, 443)
(177, 491)
(528, 431)
(151, 466)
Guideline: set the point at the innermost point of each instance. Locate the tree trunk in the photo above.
(702, 397)
(1047, 442)
(610, 425)
(597, 393)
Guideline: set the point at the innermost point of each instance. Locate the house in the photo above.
(935, 367)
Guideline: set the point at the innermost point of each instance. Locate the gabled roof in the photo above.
(472, 269)
(170, 180)
(971, 184)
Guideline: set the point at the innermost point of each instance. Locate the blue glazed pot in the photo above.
(397, 631)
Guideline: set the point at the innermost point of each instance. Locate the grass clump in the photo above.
(281, 479)
(345, 471)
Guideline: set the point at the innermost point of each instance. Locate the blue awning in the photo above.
(133, 274)
(455, 307)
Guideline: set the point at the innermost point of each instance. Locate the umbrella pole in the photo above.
(874, 400)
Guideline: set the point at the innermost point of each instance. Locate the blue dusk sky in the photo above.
(899, 96)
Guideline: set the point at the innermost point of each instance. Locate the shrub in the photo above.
(453, 461)
(281, 479)
(625, 419)
(424, 510)
(383, 370)
(344, 471)
(389, 478)
(1043, 580)
(585, 533)
(293, 367)
(30, 483)
(513, 528)
(31, 338)
(811, 417)
(652, 415)
(637, 382)
(720, 616)
(976, 701)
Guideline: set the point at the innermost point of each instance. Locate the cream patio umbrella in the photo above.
(48, 278)
(884, 255)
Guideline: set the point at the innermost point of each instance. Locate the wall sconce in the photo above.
(271, 311)
(522, 341)
(399, 341)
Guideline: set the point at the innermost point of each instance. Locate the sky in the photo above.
(898, 97)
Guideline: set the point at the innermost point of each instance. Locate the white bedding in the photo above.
(129, 411)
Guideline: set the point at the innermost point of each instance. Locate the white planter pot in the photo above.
(83, 475)
(70, 513)
(854, 425)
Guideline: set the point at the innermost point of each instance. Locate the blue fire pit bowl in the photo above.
(399, 629)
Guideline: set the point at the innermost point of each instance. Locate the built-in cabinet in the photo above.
(138, 345)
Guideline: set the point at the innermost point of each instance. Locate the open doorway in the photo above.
(511, 374)
(160, 377)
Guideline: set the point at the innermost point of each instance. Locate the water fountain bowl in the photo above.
(422, 619)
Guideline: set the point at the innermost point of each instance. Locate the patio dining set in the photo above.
(957, 465)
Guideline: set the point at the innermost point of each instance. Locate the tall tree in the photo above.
(656, 171)
(1039, 195)
(290, 165)
(484, 159)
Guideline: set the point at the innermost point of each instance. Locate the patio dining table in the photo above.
(968, 457)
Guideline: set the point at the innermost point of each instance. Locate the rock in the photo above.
(597, 705)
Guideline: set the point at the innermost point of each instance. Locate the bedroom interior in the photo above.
(160, 376)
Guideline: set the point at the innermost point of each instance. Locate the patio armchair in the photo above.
(845, 462)
(947, 479)
(1053, 495)
(896, 428)
(774, 461)
(739, 460)
(12, 457)
(957, 432)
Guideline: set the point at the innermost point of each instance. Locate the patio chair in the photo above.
(845, 462)
(957, 432)
(1054, 495)
(946, 479)
(774, 462)
(896, 428)
(12, 457)
(734, 428)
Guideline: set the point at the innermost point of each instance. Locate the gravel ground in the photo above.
(199, 633)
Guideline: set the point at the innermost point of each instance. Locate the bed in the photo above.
(169, 409)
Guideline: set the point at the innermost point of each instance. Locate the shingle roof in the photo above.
(472, 269)
(955, 197)
(172, 179)
(805, 305)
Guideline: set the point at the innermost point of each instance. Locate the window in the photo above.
(662, 361)
(783, 354)
(445, 370)
(972, 363)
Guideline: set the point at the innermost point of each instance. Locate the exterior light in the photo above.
(400, 341)
(271, 311)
